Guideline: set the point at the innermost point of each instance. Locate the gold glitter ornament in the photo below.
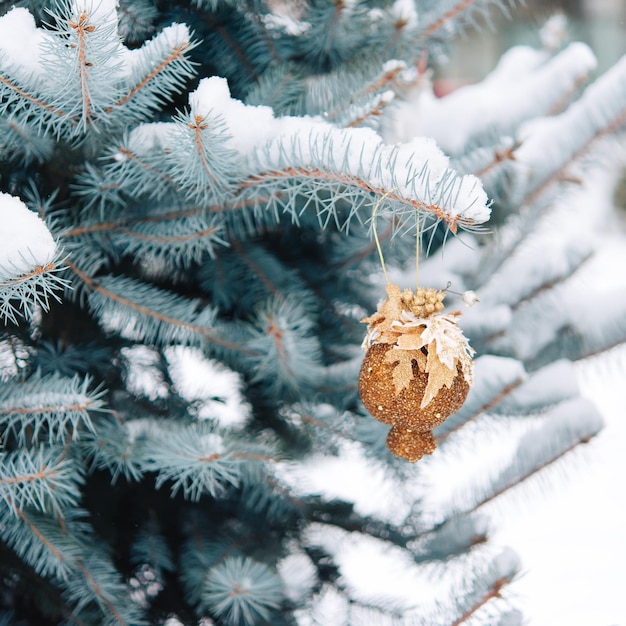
(417, 370)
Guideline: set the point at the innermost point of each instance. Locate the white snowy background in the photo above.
(571, 532)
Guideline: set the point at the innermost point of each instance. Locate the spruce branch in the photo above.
(261, 25)
(203, 165)
(152, 314)
(560, 175)
(226, 40)
(285, 352)
(453, 14)
(281, 87)
(22, 293)
(127, 225)
(338, 97)
(42, 479)
(366, 250)
(136, 19)
(113, 448)
(257, 268)
(494, 592)
(140, 173)
(150, 547)
(329, 184)
(597, 115)
(288, 166)
(82, 27)
(20, 141)
(96, 584)
(82, 55)
(242, 591)
(457, 537)
(150, 79)
(199, 459)
(550, 282)
(579, 82)
(180, 243)
(335, 33)
(522, 87)
(560, 430)
(175, 238)
(199, 552)
(483, 410)
(500, 155)
(88, 80)
(56, 357)
(65, 552)
(279, 348)
(266, 276)
(15, 93)
(41, 541)
(608, 118)
(52, 407)
(360, 116)
(326, 424)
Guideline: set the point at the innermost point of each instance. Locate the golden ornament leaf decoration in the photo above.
(402, 361)
(388, 311)
(439, 375)
(441, 335)
(411, 338)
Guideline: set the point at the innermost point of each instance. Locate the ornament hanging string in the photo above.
(377, 241)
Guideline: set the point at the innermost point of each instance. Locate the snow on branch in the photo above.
(547, 386)
(381, 576)
(330, 167)
(29, 261)
(526, 273)
(214, 391)
(523, 85)
(293, 161)
(257, 166)
(550, 145)
(75, 74)
(545, 438)
(496, 377)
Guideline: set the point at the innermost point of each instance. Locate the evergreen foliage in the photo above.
(193, 189)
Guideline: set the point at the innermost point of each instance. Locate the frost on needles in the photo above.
(187, 199)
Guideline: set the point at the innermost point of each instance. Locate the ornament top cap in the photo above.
(422, 303)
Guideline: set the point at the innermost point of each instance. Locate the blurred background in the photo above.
(599, 23)
(571, 531)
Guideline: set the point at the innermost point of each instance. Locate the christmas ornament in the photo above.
(417, 370)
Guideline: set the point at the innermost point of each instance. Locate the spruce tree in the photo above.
(196, 201)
